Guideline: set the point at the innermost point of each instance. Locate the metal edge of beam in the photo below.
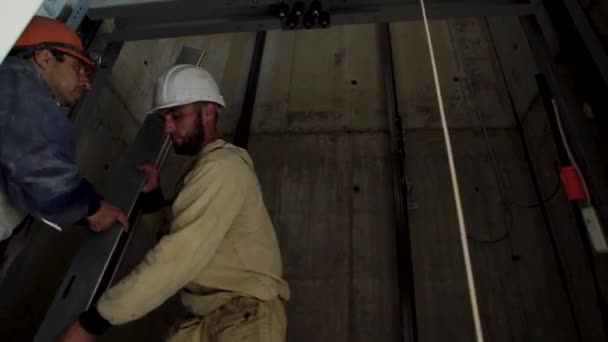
(265, 23)
(192, 28)
(104, 9)
(78, 13)
(243, 127)
(162, 155)
(85, 277)
(405, 271)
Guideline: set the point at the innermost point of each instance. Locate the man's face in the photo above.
(67, 80)
(184, 125)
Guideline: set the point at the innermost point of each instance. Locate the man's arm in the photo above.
(38, 161)
(38, 158)
(204, 210)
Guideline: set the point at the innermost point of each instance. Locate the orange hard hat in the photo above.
(43, 32)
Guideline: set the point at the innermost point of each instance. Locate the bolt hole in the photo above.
(145, 63)
(456, 79)
(354, 82)
(515, 47)
(356, 188)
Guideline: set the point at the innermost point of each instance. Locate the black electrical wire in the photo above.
(509, 220)
(544, 201)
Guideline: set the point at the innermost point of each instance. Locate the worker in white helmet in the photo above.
(221, 251)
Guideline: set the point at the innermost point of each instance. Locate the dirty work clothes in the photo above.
(38, 171)
(221, 241)
(242, 319)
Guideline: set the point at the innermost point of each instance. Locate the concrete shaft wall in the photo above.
(320, 143)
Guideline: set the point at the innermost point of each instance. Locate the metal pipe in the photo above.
(409, 331)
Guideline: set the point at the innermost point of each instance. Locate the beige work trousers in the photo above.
(243, 319)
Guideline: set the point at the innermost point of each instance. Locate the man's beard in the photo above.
(192, 143)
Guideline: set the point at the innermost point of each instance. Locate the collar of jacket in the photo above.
(21, 65)
(214, 145)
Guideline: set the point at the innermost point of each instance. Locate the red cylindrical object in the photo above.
(572, 184)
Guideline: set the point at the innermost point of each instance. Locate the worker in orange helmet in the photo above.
(47, 69)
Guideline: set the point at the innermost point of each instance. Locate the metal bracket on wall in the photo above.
(85, 277)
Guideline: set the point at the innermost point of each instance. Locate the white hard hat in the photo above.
(184, 84)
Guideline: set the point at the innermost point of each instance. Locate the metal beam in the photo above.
(405, 269)
(85, 277)
(103, 9)
(78, 12)
(172, 10)
(95, 263)
(164, 18)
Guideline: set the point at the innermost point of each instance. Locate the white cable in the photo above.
(461, 224)
(569, 152)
